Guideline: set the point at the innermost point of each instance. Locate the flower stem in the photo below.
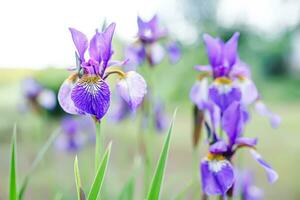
(98, 144)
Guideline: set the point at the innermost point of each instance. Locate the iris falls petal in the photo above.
(132, 89)
(217, 176)
(271, 173)
(92, 95)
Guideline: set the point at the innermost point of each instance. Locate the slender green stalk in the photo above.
(98, 144)
(13, 191)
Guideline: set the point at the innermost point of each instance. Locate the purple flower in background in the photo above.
(174, 52)
(87, 92)
(76, 133)
(37, 95)
(31, 87)
(148, 46)
(150, 31)
(245, 187)
(160, 117)
(262, 109)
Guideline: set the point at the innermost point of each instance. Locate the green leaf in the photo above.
(36, 161)
(128, 191)
(80, 193)
(13, 192)
(156, 184)
(98, 181)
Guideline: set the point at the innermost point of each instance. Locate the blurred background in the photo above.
(35, 42)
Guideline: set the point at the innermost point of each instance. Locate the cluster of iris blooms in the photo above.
(222, 96)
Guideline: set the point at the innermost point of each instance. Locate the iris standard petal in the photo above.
(271, 173)
(132, 89)
(92, 95)
(213, 49)
(199, 93)
(80, 41)
(230, 49)
(232, 121)
(64, 98)
(105, 42)
(95, 47)
(217, 176)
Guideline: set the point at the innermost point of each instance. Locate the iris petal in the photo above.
(213, 49)
(80, 41)
(92, 95)
(217, 176)
(64, 98)
(271, 173)
(199, 93)
(132, 89)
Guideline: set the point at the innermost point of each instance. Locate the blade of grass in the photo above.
(98, 181)
(36, 161)
(80, 193)
(13, 194)
(156, 184)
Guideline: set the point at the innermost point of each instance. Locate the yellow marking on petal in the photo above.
(90, 79)
(73, 77)
(211, 156)
(203, 75)
(223, 81)
(242, 78)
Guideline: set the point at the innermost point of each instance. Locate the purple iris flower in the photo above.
(76, 133)
(148, 46)
(31, 87)
(87, 92)
(217, 171)
(160, 117)
(150, 31)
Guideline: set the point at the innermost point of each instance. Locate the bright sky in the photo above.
(34, 33)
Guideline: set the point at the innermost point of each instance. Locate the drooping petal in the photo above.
(218, 147)
(230, 50)
(213, 49)
(262, 109)
(157, 53)
(80, 41)
(271, 173)
(232, 121)
(217, 176)
(47, 99)
(120, 111)
(64, 98)
(132, 89)
(92, 95)
(223, 93)
(248, 90)
(174, 52)
(199, 93)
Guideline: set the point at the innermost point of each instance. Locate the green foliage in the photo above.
(80, 193)
(13, 191)
(98, 181)
(127, 192)
(156, 185)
